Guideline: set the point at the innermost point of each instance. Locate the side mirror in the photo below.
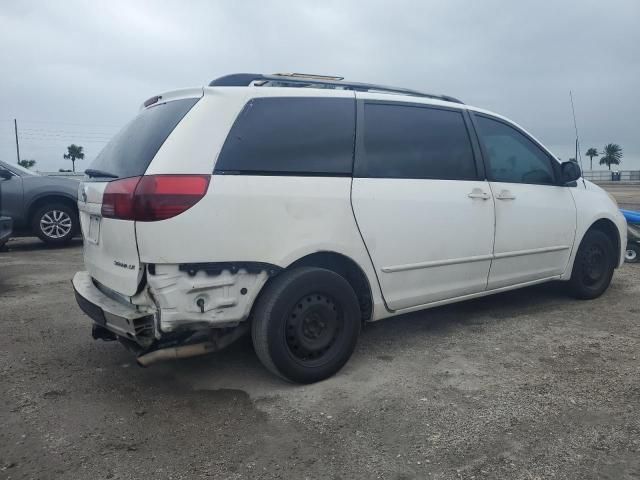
(6, 174)
(570, 172)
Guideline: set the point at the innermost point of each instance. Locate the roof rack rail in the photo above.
(310, 75)
(301, 80)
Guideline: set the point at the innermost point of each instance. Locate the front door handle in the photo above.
(479, 193)
(505, 195)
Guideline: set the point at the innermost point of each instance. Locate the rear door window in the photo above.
(407, 141)
(130, 152)
(299, 135)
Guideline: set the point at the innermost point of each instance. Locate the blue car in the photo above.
(632, 253)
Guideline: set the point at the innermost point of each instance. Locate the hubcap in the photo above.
(630, 255)
(55, 224)
(595, 264)
(312, 327)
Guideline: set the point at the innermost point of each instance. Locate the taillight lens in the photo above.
(159, 197)
(153, 197)
(117, 200)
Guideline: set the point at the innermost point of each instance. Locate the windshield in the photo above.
(17, 169)
(130, 152)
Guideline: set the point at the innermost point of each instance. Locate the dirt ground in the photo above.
(523, 385)
(627, 194)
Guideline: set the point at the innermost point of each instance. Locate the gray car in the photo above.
(39, 205)
(6, 227)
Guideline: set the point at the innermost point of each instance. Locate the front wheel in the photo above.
(55, 224)
(305, 324)
(593, 266)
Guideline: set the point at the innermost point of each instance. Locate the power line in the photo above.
(63, 142)
(74, 134)
(66, 135)
(22, 121)
(42, 129)
(75, 138)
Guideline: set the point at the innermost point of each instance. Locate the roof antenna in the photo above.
(578, 156)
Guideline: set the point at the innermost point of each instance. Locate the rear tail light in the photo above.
(117, 200)
(159, 197)
(153, 197)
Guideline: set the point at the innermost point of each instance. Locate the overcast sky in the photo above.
(76, 71)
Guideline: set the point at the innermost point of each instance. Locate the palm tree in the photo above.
(611, 155)
(592, 152)
(27, 163)
(74, 152)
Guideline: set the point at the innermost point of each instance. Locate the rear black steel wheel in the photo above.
(305, 324)
(593, 266)
(312, 327)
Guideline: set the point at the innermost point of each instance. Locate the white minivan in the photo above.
(298, 207)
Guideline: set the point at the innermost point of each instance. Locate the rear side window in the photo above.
(291, 136)
(403, 141)
(130, 152)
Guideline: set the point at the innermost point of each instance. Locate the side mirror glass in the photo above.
(6, 174)
(570, 172)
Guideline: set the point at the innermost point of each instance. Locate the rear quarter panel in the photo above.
(273, 219)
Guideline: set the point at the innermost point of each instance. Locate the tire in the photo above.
(632, 253)
(593, 266)
(306, 324)
(55, 224)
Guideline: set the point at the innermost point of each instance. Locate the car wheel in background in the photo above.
(593, 266)
(305, 324)
(55, 224)
(631, 253)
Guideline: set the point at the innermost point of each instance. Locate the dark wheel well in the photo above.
(607, 227)
(347, 268)
(48, 199)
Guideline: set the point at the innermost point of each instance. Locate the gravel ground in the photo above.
(627, 194)
(523, 385)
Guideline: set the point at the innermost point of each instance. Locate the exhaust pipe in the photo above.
(173, 353)
(220, 341)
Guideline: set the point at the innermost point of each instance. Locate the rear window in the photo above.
(402, 141)
(291, 136)
(130, 152)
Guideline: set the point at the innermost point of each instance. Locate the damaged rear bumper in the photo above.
(126, 321)
(138, 326)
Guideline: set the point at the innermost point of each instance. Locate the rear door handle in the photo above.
(505, 195)
(479, 193)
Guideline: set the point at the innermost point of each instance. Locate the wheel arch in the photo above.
(47, 198)
(347, 268)
(609, 228)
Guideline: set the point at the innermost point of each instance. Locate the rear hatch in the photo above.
(106, 194)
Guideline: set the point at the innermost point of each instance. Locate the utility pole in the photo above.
(15, 127)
